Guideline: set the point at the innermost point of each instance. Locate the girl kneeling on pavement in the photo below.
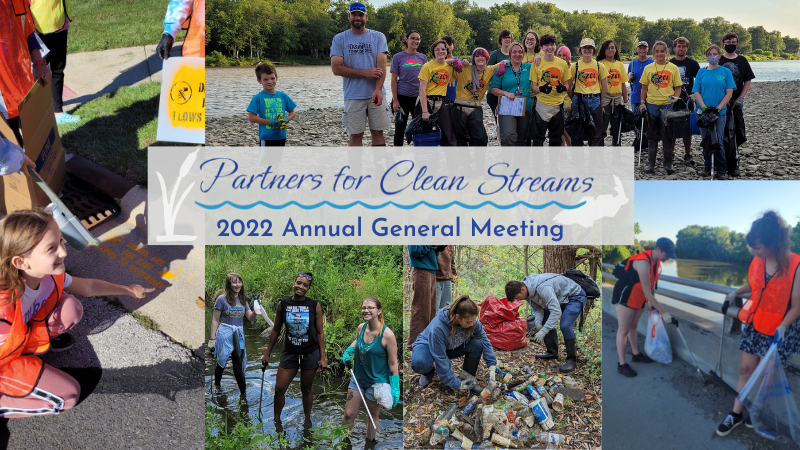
(770, 315)
(455, 331)
(304, 348)
(227, 332)
(35, 314)
(373, 359)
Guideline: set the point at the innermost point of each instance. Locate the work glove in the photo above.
(458, 65)
(394, 381)
(739, 101)
(165, 46)
(466, 384)
(491, 373)
(673, 99)
(642, 106)
(778, 337)
(347, 358)
(501, 69)
(731, 298)
(546, 88)
(539, 337)
(560, 88)
(667, 318)
(211, 344)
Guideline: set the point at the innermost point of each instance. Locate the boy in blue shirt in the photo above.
(270, 109)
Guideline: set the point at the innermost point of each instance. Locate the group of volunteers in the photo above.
(770, 315)
(441, 329)
(372, 357)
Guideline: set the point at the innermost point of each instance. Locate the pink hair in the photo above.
(480, 51)
(566, 51)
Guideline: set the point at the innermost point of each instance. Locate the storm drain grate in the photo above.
(89, 205)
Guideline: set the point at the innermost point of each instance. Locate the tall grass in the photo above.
(343, 277)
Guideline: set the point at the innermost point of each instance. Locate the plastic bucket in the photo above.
(693, 123)
(427, 138)
(73, 231)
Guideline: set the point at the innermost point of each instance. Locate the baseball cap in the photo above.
(586, 42)
(358, 7)
(667, 246)
(642, 44)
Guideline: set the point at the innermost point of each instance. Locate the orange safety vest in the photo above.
(20, 369)
(770, 301)
(637, 296)
(16, 76)
(195, 42)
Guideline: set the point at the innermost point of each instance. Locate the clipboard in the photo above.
(514, 107)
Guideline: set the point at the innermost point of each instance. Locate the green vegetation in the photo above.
(306, 28)
(343, 277)
(147, 322)
(101, 25)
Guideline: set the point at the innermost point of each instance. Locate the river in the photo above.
(229, 90)
(328, 408)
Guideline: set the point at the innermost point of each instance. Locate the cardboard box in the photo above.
(42, 146)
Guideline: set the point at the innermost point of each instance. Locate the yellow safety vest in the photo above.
(49, 16)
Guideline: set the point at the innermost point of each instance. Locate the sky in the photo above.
(663, 208)
(783, 15)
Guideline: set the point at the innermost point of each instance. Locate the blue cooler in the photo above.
(430, 138)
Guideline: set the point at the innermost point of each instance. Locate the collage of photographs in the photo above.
(549, 327)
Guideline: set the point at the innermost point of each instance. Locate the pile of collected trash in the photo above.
(518, 410)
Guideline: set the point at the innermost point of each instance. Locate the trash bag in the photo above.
(383, 394)
(768, 397)
(678, 120)
(502, 323)
(640, 131)
(708, 118)
(627, 120)
(657, 345)
(580, 123)
(417, 124)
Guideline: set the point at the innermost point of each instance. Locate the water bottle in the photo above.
(470, 407)
(550, 438)
(506, 376)
(545, 394)
(532, 392)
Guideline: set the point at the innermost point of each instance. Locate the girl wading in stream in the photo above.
(771, 313)
(304, 348)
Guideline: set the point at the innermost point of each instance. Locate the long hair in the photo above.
(377, 305)
(771, 231)
(536, 48)
(602, 53)
(231, 296)
(465, 308)
(405, 40)
(20, 232)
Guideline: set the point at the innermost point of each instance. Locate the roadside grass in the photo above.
(102, 25)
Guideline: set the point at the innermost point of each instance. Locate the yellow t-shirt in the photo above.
(588, 80)
(617, 76)
(528, 57)
(661, 82)
(464, 82)
(437, 76)
(552, 72)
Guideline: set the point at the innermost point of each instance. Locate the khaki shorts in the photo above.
(358, 112)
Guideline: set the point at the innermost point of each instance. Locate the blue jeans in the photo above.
(570, 312)
(719, 156)
(657, 130)
(444, 293)
(422, 360)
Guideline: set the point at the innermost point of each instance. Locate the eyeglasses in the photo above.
(305, 275)
(368, 308)
(413, 39)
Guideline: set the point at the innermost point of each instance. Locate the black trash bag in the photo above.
(680, 124)
(640, 130)
(708, 118)
(417, 124)
(580, 123)
(627, 119)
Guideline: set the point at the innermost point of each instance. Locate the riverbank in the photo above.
(771, 152)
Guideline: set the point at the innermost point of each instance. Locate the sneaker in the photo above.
(67, 118)
(642, 358)
(748, 422)
(721, 176)
(626, 370)
(729, 424)
(425, 380)
(735, 172)
(62, 342)
(687, 158)
(706, 173)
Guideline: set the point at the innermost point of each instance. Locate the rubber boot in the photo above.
(571, 362)
(551, 344)
(651, 160)
(470, 367)
(669, 154)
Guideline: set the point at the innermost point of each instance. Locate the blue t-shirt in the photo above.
(711, 84)
(637, 67)
(360, 51)
(511, 81)
(268, 106)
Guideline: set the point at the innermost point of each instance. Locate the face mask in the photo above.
(713, 59)
(730, 48)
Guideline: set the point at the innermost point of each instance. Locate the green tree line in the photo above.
(280, 28)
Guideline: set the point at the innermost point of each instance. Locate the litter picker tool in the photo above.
(641, 136)
(363, 398)
(700, 373)
(260, 397)
(261, 310)
(716, 376)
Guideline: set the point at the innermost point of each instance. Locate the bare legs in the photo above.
(627, 319)
(352, 407)
(749, 364)
(282, 381)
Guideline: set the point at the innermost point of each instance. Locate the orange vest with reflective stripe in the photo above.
(20, 369)
(770, 301)
(195, 42)
(16, 76)
(637, 296)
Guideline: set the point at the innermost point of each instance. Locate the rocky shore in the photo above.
(772, 150)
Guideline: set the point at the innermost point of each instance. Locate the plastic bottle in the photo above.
(506, 376)
(550, 438)
(532, 392)
(541, 390)
(542, 413)
(470, 407)
(528, 382)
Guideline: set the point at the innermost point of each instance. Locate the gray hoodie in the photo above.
(549, 290)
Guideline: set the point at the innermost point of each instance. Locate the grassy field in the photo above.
(101, 24)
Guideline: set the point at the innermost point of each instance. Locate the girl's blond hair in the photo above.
(20, 232)
(377, 305)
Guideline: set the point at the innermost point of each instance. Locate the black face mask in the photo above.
(730, 48)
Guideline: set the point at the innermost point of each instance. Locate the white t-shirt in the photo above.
(32, 301)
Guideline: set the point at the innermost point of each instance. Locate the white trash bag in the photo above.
(657, 345)
(768, 397)
(383, 394)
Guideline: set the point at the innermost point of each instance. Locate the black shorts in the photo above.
(303, 362)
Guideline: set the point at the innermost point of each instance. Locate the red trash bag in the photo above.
(502, 323)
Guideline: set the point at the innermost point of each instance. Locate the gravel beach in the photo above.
(772, 150)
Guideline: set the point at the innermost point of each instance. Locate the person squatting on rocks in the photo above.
(630, 297)
(227, 332)
(36, 314)
(405, 83)
(734, 119)
(304, 347)
(455, 331)
(553, 298)
(770, 315)
(661, 83)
